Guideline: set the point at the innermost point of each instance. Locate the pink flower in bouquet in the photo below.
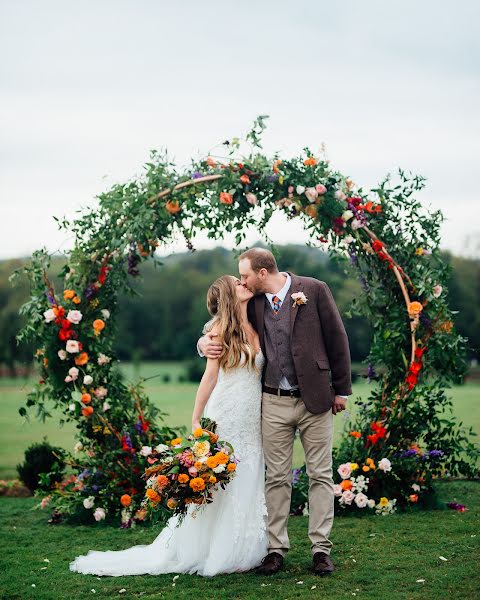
(187, 459)
(99, 514)
(193, 471)
(311, 194)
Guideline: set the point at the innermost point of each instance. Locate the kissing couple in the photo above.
(278, 359)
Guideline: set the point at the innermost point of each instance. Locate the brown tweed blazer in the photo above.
(318, 340)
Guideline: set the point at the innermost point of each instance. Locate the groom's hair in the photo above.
(260, 258)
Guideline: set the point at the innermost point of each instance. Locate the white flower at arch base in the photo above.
(299, 298)
(88, 379)
(146, 450)
(99, 514)
(347, 497)
(89, 502)
(385, 465)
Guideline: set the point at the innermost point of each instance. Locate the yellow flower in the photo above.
(281, 179)
(198, 432)
(353, 466)
(76, 300)
(365, 468)
(383, 501)
(212, 479)
(176, 441)
(201, 448)
(172, 503)
(198, 465)
(419, 251)
(68, 294)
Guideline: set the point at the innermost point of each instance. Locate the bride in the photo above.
(230, 534)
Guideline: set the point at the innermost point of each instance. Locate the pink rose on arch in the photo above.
(321, 189)
(337, 490)
(344, 470)
(99, 514)
(347, 497)
(251, 198)
(75, 316)
(100, 392)
(72, 346)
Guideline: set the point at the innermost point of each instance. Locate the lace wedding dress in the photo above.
(228, 535)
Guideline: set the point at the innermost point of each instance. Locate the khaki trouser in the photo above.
(281, 415)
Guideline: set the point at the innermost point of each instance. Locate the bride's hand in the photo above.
(195, 425)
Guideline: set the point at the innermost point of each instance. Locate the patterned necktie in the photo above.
(276, 304)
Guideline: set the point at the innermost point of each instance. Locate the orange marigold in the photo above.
(126, 500)
(172, 503)
(310, 161)
(176, 441)
(153, 495)
(162, 481)
(198, 465)
(197, 484)
(231, 467)
(68, 294)
(183, 478)
(222, 458)
(212, 462)
(81, 359)
(198, 432)
(356, 434)
(76, 300)
(212, 479)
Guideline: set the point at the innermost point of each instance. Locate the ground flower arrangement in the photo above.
(187, 471)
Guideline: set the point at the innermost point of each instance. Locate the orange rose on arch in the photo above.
(125, 500)
(86, 398)
(81, 359)
(173, 207)
(87, 411)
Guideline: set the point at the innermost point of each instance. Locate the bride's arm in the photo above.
(207, 383)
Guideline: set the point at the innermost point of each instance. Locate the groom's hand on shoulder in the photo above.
(339, 404)
(210, 347)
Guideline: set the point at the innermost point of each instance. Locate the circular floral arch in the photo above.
(392, 244)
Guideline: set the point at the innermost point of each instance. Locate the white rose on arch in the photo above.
(105, 313)
(385, 465)
(72, 346)
(49, 315)
(146, 450)
(89, 502)
(74, 316)
(99, 514)
(344, 470)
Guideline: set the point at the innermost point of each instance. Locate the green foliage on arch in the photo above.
(393, 246)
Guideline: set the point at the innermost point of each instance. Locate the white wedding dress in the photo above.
(228, 535)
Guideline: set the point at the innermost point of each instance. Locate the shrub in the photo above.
(40, 459)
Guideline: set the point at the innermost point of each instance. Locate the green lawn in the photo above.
(174, 398)
(379, 558)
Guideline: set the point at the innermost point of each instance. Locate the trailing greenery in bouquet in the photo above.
(187, 471)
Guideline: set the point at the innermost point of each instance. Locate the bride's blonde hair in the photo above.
(224, 306)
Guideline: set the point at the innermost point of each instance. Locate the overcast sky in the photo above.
(88, 88)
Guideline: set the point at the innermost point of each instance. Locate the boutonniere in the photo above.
(299, 298)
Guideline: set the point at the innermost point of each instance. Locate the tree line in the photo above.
(165, 316)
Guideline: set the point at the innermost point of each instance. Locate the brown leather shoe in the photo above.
(270, 564)
(322, 564)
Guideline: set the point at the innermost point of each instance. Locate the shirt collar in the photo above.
(283, 292)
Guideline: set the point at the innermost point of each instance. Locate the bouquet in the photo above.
(186, 472)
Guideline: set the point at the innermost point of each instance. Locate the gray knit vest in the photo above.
(277, 345)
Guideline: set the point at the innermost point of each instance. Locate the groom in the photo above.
(303, 339)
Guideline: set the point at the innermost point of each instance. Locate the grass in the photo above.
(376, 558)
(174, 398)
